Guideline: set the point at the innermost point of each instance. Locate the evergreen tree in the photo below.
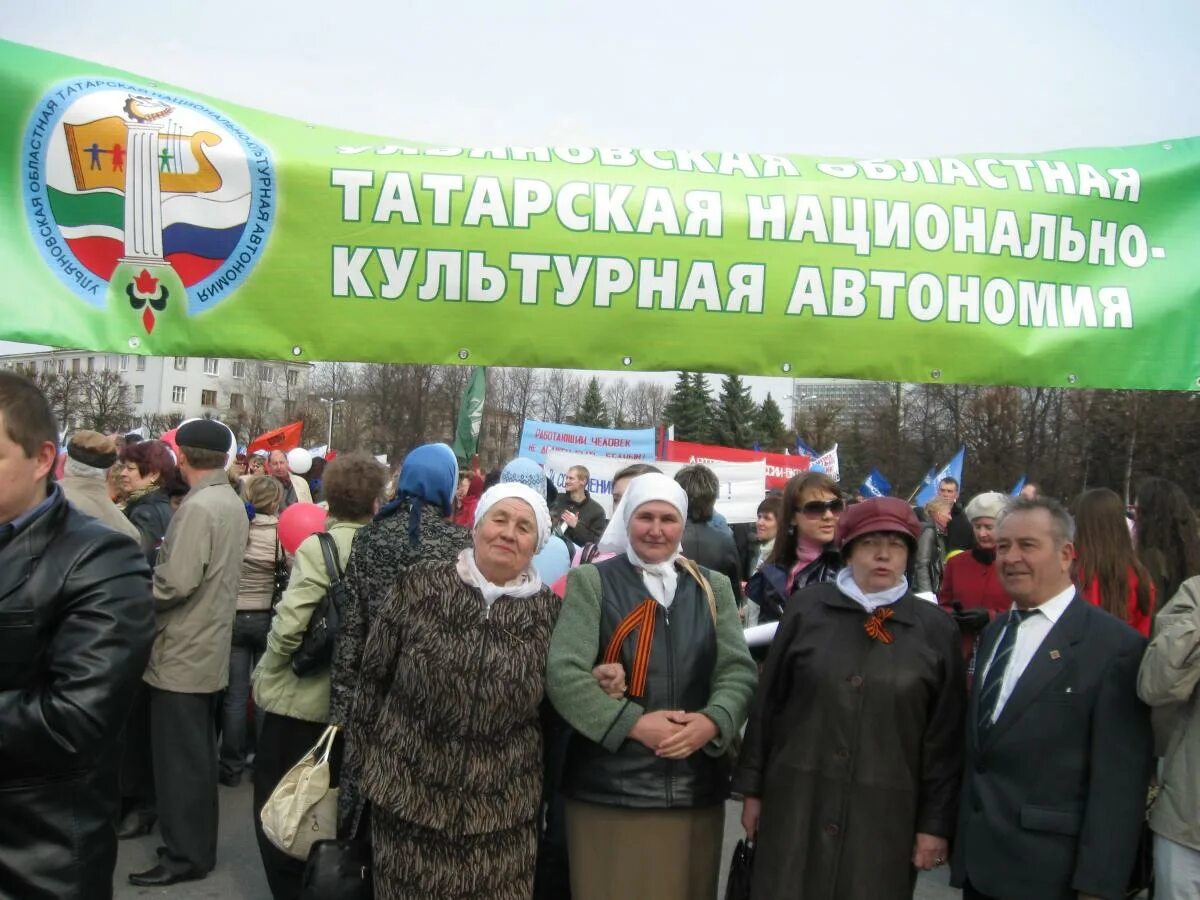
(735, 423)
(686, 409)
(771, 433)
(591, 409)
(706, 408)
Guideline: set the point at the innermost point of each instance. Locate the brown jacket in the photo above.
(195, 589)
(445, 730)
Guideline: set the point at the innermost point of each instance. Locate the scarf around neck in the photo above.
(660, 579)
(870, 602)
(524, 585)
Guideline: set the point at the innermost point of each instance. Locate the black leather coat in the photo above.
(76, 624)
(151, 514)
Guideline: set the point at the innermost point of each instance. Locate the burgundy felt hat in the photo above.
(878, 514)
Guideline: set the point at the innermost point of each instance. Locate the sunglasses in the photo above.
(815, 509)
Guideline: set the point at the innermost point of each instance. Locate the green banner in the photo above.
(149, 219)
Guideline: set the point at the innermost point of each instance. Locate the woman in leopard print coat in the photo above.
(444, 732)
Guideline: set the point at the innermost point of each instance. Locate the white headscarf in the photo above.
(516, 489)
(660, 578)
(527, 583)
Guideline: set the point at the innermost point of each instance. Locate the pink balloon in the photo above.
(298, 522)
(168, 438)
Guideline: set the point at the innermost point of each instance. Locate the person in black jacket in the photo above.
(702, 543)
(575, 515)
(146, 468)
(76, 625)
(804, 552)
(959, 533)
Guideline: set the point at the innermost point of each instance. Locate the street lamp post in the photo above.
(329, 434)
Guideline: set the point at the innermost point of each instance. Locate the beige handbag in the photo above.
(303, 807)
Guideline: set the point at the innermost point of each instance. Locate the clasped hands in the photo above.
(671, 734)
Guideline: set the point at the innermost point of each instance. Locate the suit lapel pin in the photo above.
(1054, 654)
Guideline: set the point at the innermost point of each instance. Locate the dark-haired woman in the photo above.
(145, 469)
(1168, 535)
(1107, 569)
(804, 551)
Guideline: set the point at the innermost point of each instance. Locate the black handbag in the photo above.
(338, 870)
(738, 886)
(281, 576)
(315, 652)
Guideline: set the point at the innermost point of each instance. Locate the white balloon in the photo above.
(299, 460)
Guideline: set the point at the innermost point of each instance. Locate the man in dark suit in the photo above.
(1058, 749)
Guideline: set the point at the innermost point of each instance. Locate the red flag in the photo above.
(284, 438)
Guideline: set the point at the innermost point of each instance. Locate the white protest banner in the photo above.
(743, 484)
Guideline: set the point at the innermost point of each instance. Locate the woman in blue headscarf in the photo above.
(409, 529)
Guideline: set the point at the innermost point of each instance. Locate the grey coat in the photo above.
(90, 497)
(195, 589)
(1168, 677)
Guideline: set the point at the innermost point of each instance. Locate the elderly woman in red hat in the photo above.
(850, 768)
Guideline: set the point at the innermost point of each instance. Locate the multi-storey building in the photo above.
(851, 399)
(250, 395)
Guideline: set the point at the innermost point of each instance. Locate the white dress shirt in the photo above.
(1030, 634)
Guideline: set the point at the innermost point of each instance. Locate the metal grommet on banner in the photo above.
(935, 374)
(627, 360)
(134, 343)
(464, 353)
(1071, 379)
(297, 350)
(787, 367)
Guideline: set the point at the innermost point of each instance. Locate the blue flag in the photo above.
(1017, 487)
(875, 485)
(952, 469)
(804, 450)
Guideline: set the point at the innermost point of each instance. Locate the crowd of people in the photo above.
(536, 699)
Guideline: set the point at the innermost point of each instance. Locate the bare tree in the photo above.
(106, 404)
(64, 392)
(616, 401)
(561, 395)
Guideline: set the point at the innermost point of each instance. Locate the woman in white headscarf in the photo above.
(647, 773)
(444, 731)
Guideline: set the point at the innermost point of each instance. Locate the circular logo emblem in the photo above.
(131, 192)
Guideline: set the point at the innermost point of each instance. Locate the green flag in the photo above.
(143, 218)
(470, 414)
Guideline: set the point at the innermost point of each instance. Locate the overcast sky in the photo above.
(870, 78)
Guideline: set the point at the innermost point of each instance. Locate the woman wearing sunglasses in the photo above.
(804, 551)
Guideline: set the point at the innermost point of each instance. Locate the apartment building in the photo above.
(250, 395)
